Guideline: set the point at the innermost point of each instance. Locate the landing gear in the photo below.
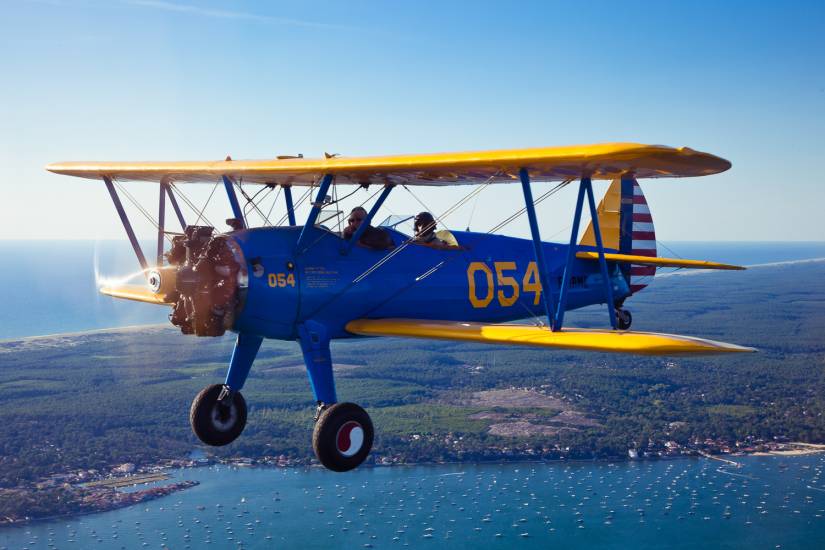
(343, 436)
(623, 318)
(218, 415)
(343, 433)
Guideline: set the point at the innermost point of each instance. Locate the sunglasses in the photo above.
(351, 220)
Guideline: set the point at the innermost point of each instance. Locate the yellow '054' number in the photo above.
(508, 287)
(281, 279)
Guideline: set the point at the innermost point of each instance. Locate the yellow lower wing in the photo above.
(135, 293)
(656, 261)
(641, 343)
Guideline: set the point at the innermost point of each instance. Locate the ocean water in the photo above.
(49, 287)
(767, 502)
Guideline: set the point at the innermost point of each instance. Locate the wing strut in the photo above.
(313, 213)
(597, 232)
(370, 215)
(290, 208)
(175, 206)
(161, 222)
(547, 292)
(585, 187)
(233, 201)
(555, 317)
(126, 225)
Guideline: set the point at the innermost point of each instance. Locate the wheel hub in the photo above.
(350, 438)
(224, 416)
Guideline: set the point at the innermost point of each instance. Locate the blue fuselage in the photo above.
(492, 278)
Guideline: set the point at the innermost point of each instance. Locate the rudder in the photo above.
(627, 226)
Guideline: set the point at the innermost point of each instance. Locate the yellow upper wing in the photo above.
(601, 161)
(640, 343)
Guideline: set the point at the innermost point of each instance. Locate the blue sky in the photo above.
(157, 80)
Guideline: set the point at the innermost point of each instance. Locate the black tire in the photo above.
(623, 319)
(343, 437)
(214, 423)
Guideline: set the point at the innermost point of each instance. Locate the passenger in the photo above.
(372, 237)
(425, 231)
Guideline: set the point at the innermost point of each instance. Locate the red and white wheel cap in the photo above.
(350, 438)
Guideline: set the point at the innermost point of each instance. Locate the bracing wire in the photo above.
(522, 210)
(274, 202)
(432, 270)
(142, 210)
(341, 221)
(472, 213)
(202, 210)
(435, 268)
(436, 219)
(668, 249)
(405, 244)
(250, 201)
(266, 190)
(296, 205)
(192, 206)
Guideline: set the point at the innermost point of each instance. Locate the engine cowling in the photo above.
(206, 279)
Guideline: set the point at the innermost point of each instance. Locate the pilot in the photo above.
(372, 237)
(424, 224)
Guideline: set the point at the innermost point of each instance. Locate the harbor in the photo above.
(767, 501)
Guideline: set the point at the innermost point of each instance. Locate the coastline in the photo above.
(160, 471)
(806, 449)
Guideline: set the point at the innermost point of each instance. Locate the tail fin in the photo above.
(626, 226)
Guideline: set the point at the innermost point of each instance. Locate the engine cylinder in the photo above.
(209, 275)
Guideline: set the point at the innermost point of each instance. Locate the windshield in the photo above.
(402, 223)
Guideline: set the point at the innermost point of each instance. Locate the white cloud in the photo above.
(228, 14)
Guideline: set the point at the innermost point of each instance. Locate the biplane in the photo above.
(307, 283)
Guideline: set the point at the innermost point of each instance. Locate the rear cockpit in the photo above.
(404, 225)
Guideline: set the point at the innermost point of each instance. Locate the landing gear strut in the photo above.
(623, 318)
(218, 415)
(343, 436)
(343, 433)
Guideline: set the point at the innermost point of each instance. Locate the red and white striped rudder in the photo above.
(643, 240)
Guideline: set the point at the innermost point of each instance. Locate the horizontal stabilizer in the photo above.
(656, 261)
(137, 293)
(640, 343)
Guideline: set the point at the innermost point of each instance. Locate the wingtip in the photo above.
(726, 347)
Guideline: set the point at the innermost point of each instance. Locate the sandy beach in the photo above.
(795, 449)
